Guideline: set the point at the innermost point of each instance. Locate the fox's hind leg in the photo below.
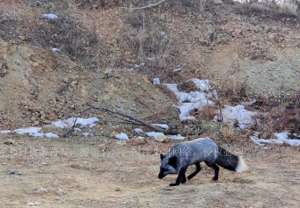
(180, 178)
(216, 168)
(198, 168)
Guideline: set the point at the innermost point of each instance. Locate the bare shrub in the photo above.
(147, 37)
(269, 9)
(283, 114)
(53, 5)
(72, 38)
(178, 5)
(11, 26)
(96, 4)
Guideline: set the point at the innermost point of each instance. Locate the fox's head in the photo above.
(167, 166)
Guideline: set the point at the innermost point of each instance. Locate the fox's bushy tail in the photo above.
(230, 161)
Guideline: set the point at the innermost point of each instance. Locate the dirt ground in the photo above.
(104, 173)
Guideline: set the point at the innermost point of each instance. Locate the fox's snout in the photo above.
(161, 175)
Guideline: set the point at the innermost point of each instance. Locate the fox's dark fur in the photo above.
(184, 154)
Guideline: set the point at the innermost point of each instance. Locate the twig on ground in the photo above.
(127, 118)
(71, 130)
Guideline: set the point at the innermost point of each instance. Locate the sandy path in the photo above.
(97, 174)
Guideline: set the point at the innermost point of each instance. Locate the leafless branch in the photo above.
(145, 7)
(125, 117)
(71, 130)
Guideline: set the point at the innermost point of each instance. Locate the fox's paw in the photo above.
(215, 179)
(173, 184)
(183, 180)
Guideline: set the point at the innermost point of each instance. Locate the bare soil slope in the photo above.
(39, 86)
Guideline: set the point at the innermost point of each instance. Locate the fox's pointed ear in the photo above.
(162, 156)
(173, 161)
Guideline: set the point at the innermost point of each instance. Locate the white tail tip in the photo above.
(241, 167)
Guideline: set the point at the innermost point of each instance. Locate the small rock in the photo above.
(118, 189)
(60, 192)
(40, 190)
(9, 142)
(14, 172)
(33, 204)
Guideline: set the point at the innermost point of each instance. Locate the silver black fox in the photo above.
(184, 154)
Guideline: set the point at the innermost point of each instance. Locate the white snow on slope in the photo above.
(155, 135)
(160, 135)
(121, 136)
(35, 132)
(280, 138)
(5, 131)
(55, 50)
(238, 113)
(82, 122)
(67, 123)
(176, 137)
(190, 101)
(156, 81)
(162, 126)
(50, 16)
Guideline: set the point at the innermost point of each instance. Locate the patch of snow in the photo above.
(155, 135)
(233, 114)
(138, 131)
(50, 16)
(77, 130)
(86, 134)
(190, 101)
(162, 126)
(280, 138)
(178, 68)
(156, 81)
(176, 137)
(284, 137)
(202, 85)
(35, 132)
(82, 122)
(121, 136)
(31, 131)
(50, 135)
(55, 50)
(5, 132)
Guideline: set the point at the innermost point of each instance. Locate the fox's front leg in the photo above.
(180, 178)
